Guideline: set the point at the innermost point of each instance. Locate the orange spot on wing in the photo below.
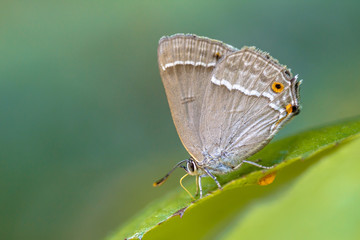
(217, 55)
(268, 179)
(277, 87)
(289, 108)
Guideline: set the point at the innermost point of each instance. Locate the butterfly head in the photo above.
(191, 168)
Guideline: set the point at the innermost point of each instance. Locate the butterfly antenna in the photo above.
(161, 181)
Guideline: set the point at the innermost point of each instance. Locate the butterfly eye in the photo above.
(191, 168)
(277, 87)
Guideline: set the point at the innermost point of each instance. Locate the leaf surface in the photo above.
(221, 211)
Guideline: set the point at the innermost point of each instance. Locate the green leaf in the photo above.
(221, 211)
(322, 204)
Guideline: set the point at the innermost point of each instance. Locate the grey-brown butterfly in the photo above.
(226, 103)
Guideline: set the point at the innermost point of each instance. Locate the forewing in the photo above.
(186, 63)
(243, 108)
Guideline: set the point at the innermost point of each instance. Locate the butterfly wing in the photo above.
(186, 63)
(250, 97)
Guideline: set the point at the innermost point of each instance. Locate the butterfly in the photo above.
(226, 103)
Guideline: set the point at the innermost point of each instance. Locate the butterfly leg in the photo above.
(199, 185)
(213, 177)
(254, 164)
(238, 166)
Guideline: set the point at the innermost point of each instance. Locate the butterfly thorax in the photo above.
(221, 163)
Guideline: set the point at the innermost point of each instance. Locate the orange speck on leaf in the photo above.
(268, 179)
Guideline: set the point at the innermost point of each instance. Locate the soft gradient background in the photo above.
(84, 122)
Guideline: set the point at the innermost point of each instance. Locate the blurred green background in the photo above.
(84, 122)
